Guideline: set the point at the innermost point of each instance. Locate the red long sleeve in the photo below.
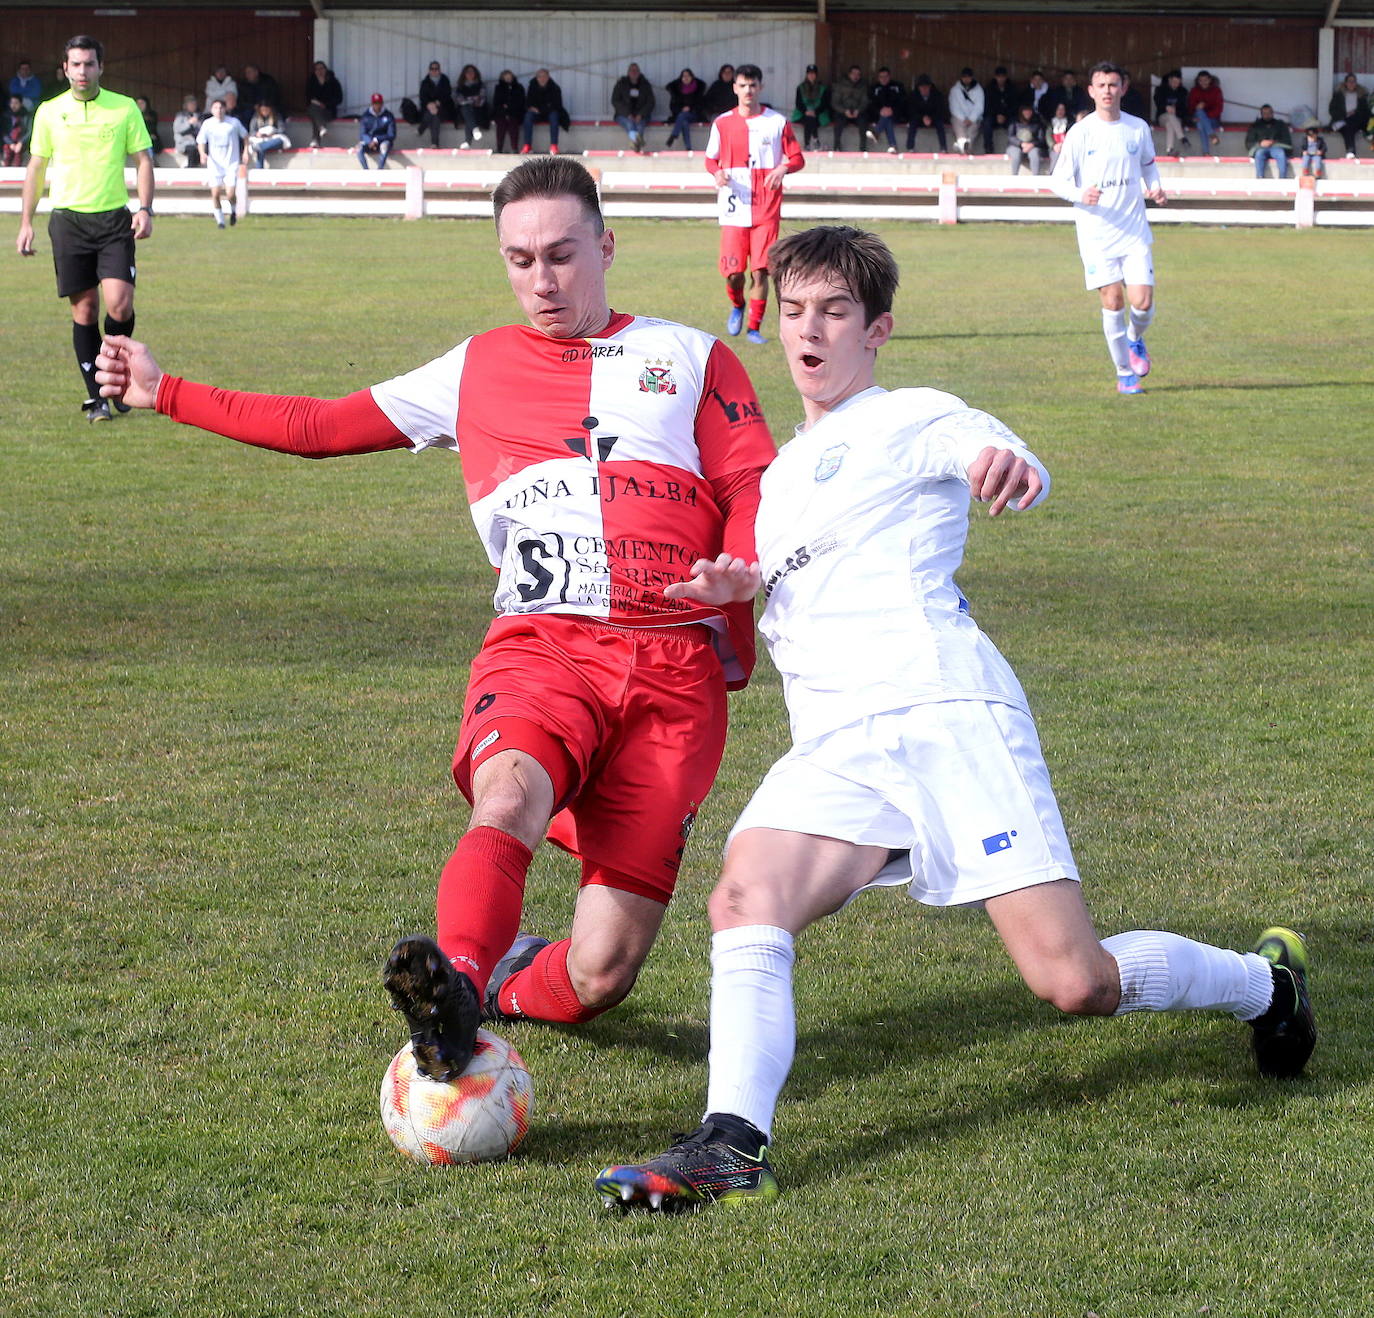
(307, 427)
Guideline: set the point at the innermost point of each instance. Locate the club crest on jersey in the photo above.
(656, 377)
(1132, 146)
(830, 461)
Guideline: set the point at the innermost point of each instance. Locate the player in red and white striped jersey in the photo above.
(603, 455)
(752, 149)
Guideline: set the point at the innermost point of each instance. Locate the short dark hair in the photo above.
(749, 72)
(1106, 66)
(549, 176)
(84, 43)
(850, 258)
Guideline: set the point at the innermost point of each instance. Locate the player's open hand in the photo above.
(722, 580)
(773, 179)
(124, 368)
(999, 475)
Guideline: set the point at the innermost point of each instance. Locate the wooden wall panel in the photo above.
(941, 44)
(165, 54)
(1354, 50)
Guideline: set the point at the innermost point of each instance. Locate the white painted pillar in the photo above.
(1305, 203)
(1326, 70)
(324, 39)
(947, 207)
(415, 192)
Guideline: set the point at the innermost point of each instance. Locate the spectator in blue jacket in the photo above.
(376, 132)
(26, 85)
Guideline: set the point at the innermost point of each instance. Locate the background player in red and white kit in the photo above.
(603, 455)
(752, 149)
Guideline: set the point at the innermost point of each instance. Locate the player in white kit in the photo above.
(1107, 159)
(915, 759)
(221, 140)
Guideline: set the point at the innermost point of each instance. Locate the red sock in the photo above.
(736, 295)
(756, 309)
(543, 991)
(480, 895)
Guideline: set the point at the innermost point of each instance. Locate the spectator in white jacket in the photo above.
(220, 86)
(965, 111)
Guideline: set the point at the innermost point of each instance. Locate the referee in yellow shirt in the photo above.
(87, 133)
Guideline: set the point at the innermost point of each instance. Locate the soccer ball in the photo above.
(481, 1115)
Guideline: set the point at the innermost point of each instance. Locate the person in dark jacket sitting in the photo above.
(507, 111)
(720, 95)
(1269, 139)
(848, 104)
(470, 103)
(436, 101)
(1026, 143)
(812, 109)
(376, 132)
(1000, 99)
(926, 109)
(543, 105)
(632, 103)
(886, 103)
(1171, 111)
(686, 93)
(323, 96)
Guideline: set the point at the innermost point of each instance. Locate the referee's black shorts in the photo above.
(90, 246)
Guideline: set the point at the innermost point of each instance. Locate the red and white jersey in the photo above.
(595, 467)
(746, 149)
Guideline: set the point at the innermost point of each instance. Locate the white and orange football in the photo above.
(480, 1116)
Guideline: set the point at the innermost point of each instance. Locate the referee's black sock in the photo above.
(113, 326)
(86, 342)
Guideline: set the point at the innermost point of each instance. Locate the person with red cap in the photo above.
(376, 131)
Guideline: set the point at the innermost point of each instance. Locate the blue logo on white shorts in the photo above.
(998, 842)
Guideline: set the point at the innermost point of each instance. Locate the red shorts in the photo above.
(742, 248)
(629, 723)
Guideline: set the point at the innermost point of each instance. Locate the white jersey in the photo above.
(860, 529)
(1116, 157)
(222, 142)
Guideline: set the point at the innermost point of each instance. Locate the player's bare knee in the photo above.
(1076, 990)
(736, 900)
(602, 987)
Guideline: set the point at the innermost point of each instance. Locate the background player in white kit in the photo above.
(221, 140)
(1106, 158)
(915, 759)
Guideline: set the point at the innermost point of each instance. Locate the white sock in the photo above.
(753, 1028)
(1163, 972)
(1114, 327)
(1140, 320)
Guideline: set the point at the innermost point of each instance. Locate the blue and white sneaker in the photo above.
(755, 337)
(735, 322)
(1140, 357)
(1129, 384)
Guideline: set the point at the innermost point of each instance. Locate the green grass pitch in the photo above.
(229, 686)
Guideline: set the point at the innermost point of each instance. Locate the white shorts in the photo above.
(220, 174)
(959, 786)
(1134, 268)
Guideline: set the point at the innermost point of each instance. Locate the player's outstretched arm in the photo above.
(999, 475)
(124, 368)
(721, 580)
